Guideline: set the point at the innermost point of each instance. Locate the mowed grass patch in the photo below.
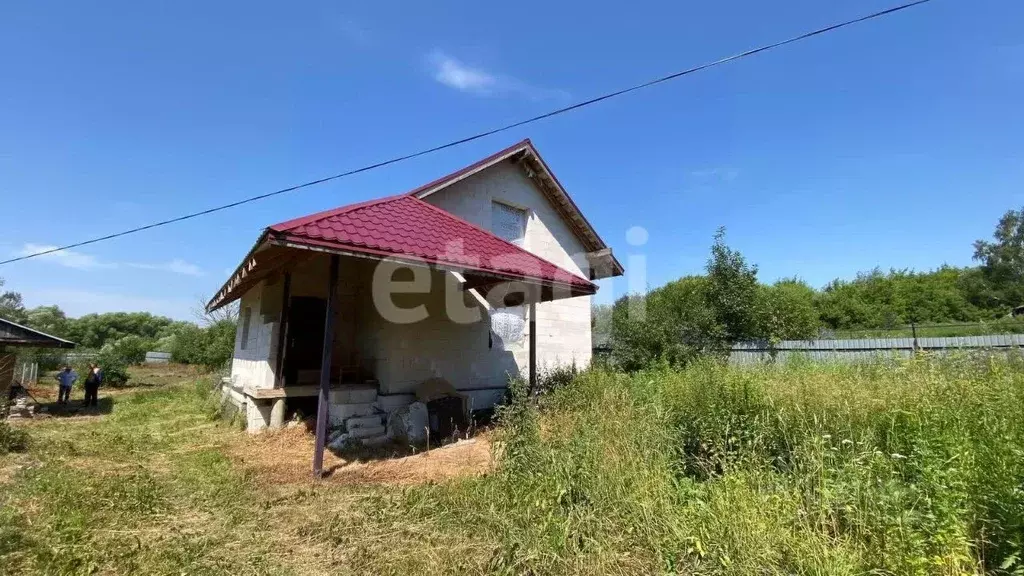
(145, 489)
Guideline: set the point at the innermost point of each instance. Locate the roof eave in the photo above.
(288, 241)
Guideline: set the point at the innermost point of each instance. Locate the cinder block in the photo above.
(391, 402)
(367, 432)
(344, 411)
(362, 422)
(355, 394)
(375, 441)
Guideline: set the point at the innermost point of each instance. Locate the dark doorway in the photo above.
(305, 336)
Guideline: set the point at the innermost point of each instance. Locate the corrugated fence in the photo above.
(867, 348)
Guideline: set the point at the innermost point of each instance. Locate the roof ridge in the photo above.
(470, 167)
(492, 234)
(337, 211)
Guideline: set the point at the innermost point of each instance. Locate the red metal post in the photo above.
(325, 371)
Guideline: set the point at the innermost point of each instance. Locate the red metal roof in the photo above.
(406, 227)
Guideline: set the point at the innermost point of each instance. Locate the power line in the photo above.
(479, 135)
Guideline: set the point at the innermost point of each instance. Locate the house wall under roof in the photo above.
(563, 326)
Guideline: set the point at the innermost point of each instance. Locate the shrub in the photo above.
(12, 439)
(131, 349)
(114, 368)
(212, 346)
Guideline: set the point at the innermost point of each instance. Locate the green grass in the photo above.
(1000, 326)
(900, 467)
(905, 468)
(145, 489)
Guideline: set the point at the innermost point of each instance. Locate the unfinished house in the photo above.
(459, 285)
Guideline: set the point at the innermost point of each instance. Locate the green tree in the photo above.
(733, 291)
(673, 323)
(49, 319)
(787, 311)
(131, 349)
(96, 330)
(211, 346)
(11, 305)
(1002, 260)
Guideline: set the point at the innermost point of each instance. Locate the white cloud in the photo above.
(83, 261)
(177, 266)
(66, 258)
(453, 73)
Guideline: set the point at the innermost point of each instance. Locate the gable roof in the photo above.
(408, 228)
(14, 334)
(525, 153)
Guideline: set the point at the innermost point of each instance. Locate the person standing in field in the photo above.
(65, 379)
(92, 385)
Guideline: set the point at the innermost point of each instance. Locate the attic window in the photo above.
(508, 222)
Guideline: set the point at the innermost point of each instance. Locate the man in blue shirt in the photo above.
(65, 378)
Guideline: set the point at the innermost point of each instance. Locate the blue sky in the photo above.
(894, 143)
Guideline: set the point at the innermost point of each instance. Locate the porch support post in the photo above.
(533, 346)
(325, 371)
(282, 329)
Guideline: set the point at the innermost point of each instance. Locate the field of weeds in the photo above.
(904, 467)
(892, 468)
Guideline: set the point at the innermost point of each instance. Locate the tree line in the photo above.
(704, 314)
(125, 337)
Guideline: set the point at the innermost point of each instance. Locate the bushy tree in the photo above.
(49, 319)
(212, 346)
(1002, 259)
(674, 324)
(786, 311)
(11, 306)
(733, 291)
(96, 330)
(131, 348)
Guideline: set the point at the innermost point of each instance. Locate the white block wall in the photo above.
(563, 326)
(253, 364)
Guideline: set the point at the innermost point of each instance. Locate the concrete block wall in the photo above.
(563, 326)
(404, 355)
(253, 363)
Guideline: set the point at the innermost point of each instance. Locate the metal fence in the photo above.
(158, 357)
(867, 348)
(26, 373)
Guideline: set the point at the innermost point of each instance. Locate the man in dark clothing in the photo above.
(92, 385)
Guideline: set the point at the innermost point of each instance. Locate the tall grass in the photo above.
(912, 467)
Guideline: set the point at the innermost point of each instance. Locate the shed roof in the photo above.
(14, 334)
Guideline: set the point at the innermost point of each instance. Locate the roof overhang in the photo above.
(274, 252)
(17, 335)
(524, 154)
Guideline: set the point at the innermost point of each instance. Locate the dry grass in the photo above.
(285, 457)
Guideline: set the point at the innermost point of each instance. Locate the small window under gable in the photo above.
(246, 320)
(508, 222)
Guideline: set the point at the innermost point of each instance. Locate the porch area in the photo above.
(392, 311)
